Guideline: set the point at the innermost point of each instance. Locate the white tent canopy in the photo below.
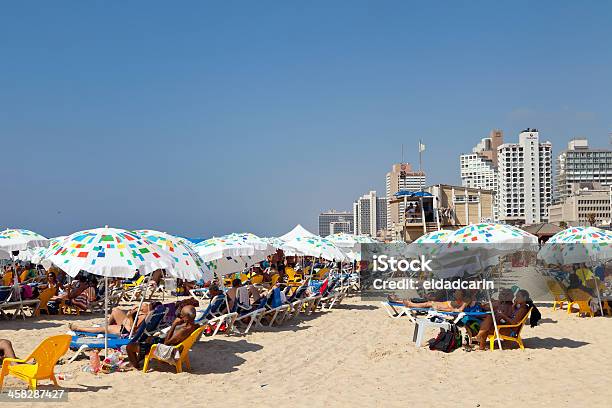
(298, 231)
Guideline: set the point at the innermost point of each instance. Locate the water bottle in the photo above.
(94, 361)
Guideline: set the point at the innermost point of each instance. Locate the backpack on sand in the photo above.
(447, 340)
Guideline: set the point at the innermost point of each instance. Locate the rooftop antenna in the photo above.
(403, 150)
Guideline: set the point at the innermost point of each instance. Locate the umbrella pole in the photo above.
(499, 344)
(146, 285)
(105, 316)
(598, 295)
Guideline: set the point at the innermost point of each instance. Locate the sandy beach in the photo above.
(354, 355)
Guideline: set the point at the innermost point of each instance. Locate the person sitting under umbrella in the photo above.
(181, 329)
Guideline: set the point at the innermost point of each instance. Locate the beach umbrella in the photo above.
(577, 245)
(234, 252)
(188, 265)
(317, 247)
(40, 254)
(21, 239)
(297, 231)
(111, 253)
(483, 243)
(274, 241)
(343, 240)
(4, 254)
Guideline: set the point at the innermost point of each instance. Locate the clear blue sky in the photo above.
(202, 118)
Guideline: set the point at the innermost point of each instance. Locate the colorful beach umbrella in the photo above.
(577, 245)
(233, 252)
(109, 252)
(317, 247)
(188, 265)
(21, 239)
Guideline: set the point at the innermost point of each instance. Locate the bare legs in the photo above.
(6, 350)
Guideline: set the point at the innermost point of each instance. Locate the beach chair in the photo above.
(137, 282)
(395, 310)
(18, 305)
(183, 349)
(248, 319)
(293, 278)
(559, 293)
(39, 365)
(515, 335)
(581, 300)
(83, 341)
(199, 294)
(44, 298)
(214, 316)
(275, 311)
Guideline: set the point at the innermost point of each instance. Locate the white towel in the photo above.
(166, 353)
(243, 296)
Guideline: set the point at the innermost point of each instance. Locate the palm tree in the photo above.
(591, 219)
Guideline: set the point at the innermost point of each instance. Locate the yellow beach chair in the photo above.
(580, 299)
(321, 274)
(516, 335)
(44, 297)
(45, 356)
(183, 349)
(134, 284)
(558, 291)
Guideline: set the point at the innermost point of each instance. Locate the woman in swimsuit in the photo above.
(119, 322)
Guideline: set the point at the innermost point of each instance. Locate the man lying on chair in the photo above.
(457, 305)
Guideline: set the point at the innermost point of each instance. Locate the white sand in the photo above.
(354, 355)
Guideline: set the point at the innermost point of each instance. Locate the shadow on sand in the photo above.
(213, 356)
(550, 343)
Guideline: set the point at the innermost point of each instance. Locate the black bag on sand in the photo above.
(447, 340)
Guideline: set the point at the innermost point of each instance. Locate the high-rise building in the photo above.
(479, 168)
(401, 177)
(332, 221)
(370, 214)
(524, 179)
(579, 164)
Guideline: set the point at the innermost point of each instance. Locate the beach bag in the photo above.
(447, 340)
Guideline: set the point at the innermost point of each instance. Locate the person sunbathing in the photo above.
(457, 305)
(119, 322)
(6, 350)
(504, 317)
(181, 329)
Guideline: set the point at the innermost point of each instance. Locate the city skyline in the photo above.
(201, 120)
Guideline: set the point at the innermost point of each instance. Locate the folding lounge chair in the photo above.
(275, 311)
(200, 294)
(252, 317)
(214, 316)
(46, 355)
(19, 306)
(83, 341)
(396, 309)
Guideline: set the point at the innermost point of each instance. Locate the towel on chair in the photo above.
(243, 296)
(166, 353)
